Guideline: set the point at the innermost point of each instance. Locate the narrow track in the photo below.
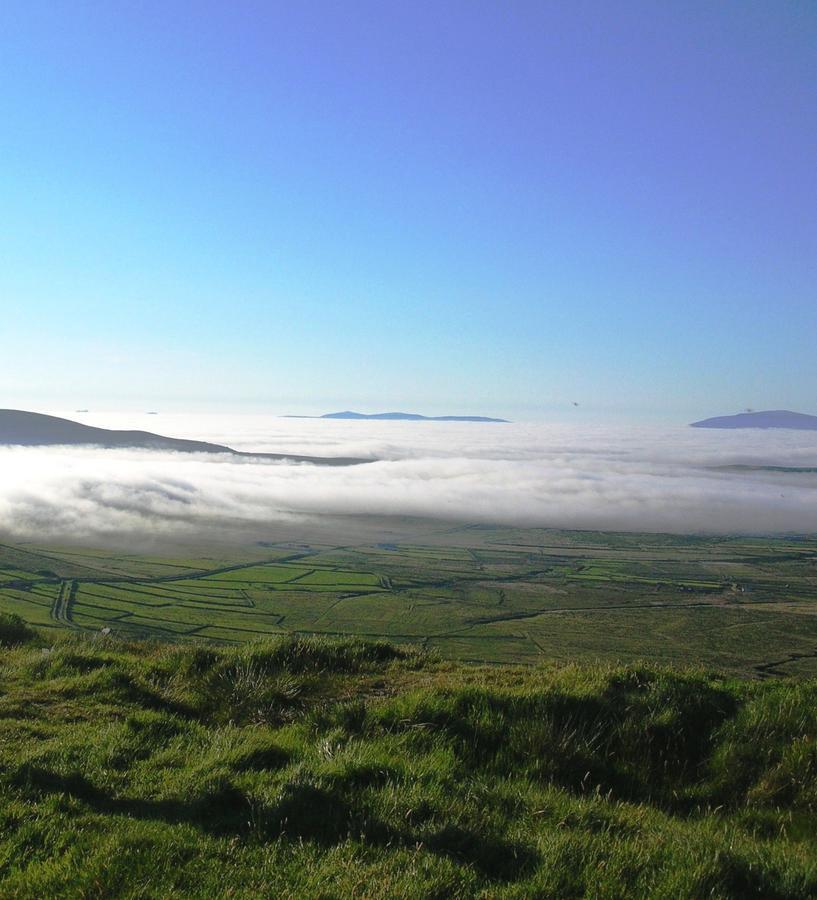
(61, 608)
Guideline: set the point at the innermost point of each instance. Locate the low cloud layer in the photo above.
(647, 479)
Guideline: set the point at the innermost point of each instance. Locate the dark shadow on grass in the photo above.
(222, 809)
(733, 876)
(302, 811)
(118, 686)
(492, 856)
(647, 737)
(261, 759)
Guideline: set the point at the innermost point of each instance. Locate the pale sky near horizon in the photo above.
(447, 207)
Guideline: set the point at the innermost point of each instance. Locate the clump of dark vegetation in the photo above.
(14, 631)
(314, 768)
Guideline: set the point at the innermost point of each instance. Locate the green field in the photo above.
(473, 593)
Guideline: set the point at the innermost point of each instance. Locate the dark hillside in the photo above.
(21, 428)
(28, 429)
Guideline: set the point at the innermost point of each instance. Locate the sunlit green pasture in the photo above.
(747, 605)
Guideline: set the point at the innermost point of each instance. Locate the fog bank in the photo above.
(651, 479)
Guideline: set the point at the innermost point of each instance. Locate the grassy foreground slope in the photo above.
(311, 767)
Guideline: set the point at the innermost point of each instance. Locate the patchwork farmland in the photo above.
(479, 594)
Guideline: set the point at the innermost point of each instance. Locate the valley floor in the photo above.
(745, 605)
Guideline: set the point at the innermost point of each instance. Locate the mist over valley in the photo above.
(648, 478)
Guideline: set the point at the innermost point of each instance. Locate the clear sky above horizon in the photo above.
(464, 207)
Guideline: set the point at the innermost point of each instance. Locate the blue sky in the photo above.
(442, 206)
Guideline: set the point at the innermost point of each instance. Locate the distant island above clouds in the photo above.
(398, 417)
(770, 418)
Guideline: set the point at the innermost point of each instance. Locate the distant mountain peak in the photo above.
(769, 418)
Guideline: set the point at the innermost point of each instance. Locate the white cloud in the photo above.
(583, 477)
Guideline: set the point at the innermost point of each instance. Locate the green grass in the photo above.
(481, 594)
(310, 767)
(260, 575)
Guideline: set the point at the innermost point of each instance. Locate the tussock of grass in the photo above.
(14, 631)
(309, 767)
